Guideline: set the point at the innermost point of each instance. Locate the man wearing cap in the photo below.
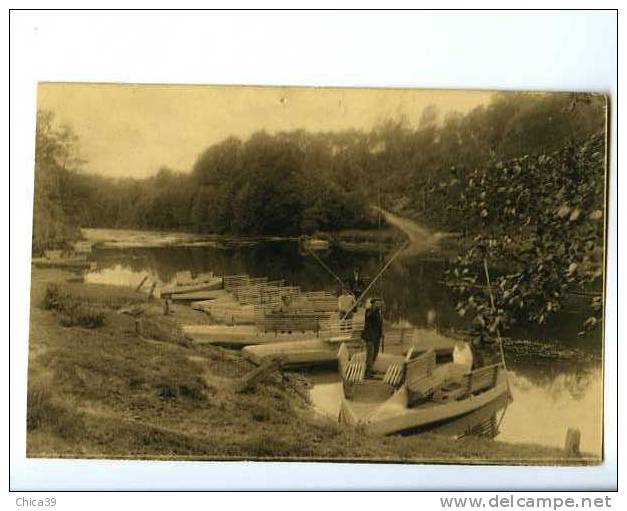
(372, 333)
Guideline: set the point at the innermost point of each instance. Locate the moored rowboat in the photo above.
(294, 353)
(316, 244)
(195, 296)
(213, 283)
(323, 349)
(413, 394)
(238, 336)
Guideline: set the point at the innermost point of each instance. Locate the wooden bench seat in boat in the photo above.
(297, 320)
(233, 281)
(474, 382)
(321, 301)
(253, 283)
(420, 378)
(337, 330)
(482, 379)
(263, 292)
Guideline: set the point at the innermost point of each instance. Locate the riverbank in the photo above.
(106, 392)
(352, 240)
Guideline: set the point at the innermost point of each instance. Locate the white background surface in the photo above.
(505, 50)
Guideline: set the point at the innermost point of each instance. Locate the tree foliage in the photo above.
(56, 164)
(540, 221)
(282, 184)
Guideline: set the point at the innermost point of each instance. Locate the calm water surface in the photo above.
(548, 398)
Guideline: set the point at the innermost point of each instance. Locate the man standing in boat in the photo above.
(355, 283)
(345, 303)
(372, 333)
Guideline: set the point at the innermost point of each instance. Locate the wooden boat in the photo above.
(294, 353)
(225, 309)
(199, 296)
(238, 336)
(316, 244)
(202, 284)
(323, 349)
(413, 393)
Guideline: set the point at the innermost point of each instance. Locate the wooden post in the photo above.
(573, 439)
(166, 306)
(257, 374)
(139, 286)
(151, 293)
(139, 326)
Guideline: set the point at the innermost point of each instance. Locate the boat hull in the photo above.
(238, 336)
(393, 416)
(213, 284)
(199, 296)
(227, 310)
(316, 244)
(294, 354)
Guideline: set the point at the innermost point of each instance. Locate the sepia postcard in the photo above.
(335, 274)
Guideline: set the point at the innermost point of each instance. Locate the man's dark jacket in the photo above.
(373, 326)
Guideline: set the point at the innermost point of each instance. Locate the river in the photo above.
(549, 396)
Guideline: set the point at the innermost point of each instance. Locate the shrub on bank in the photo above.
(72, 311)
(193, 388)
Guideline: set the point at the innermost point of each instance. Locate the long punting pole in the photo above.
(498, 336)
(373, 281)
(329, 270)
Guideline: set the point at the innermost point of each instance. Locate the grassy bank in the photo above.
(99, 390)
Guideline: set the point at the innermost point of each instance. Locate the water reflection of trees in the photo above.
(558, 378)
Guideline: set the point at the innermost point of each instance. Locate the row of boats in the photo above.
(423, 381)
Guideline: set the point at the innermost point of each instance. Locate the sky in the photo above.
(133, 130)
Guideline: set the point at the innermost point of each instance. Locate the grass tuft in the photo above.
(43, 413)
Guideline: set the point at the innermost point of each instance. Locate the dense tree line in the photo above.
(283, 184)
(294, 182)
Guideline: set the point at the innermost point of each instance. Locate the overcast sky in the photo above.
(133, 130)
